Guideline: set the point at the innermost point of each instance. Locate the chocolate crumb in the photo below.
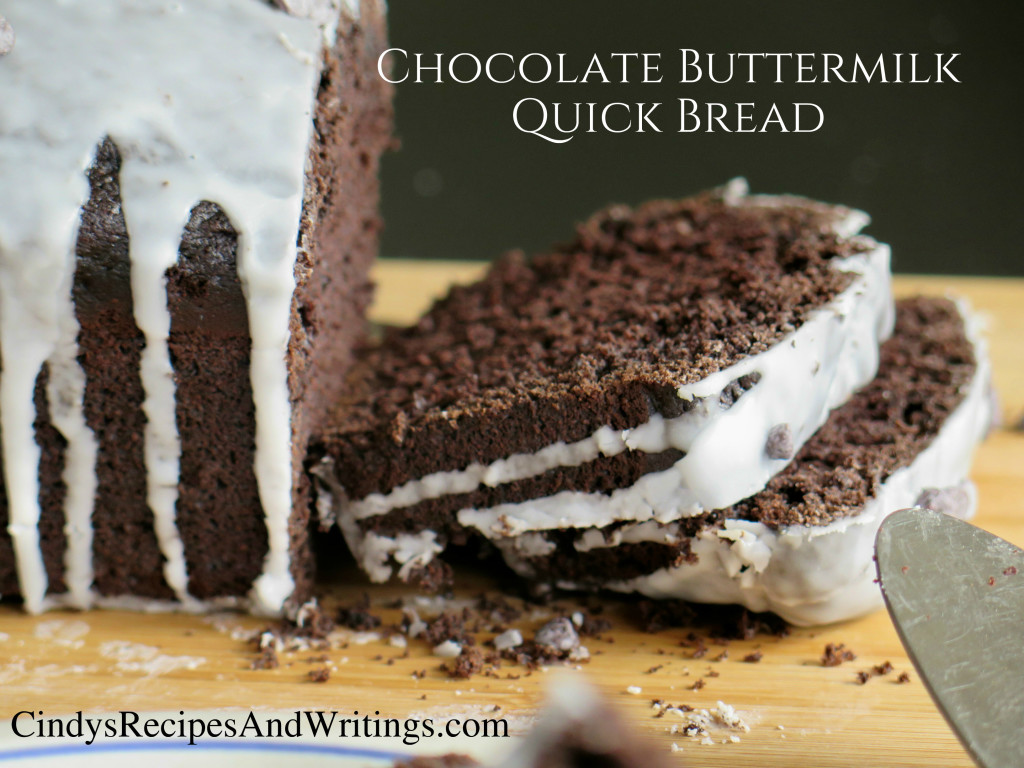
(779, 444)
(654, 669)
(321, 675)
(449, 626)
(6, 37)
(433, 578)
(836, 654)
(357, 617)
(467, 664)
(863, 677)
(722, 656)
(266, 660)
(700, 652)
(698, 684)
(753, 658)
(558, 634)
(883, 669)
(904, 677)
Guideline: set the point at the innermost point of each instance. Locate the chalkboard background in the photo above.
(937, 167)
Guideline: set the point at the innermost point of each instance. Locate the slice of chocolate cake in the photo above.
(183, 275)
(667, 361)
(803, 547)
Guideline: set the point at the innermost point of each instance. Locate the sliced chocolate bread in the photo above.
(803, 546)
(667, 361)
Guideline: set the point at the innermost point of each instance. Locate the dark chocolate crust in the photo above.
(926, 369)
(219, 514)
(598, 332)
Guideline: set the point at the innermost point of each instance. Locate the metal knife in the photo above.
(956, 596)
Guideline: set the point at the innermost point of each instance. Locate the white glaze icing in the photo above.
(807, 574)
(804, 376)
(189, 128)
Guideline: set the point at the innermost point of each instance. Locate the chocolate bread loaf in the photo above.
(184, 272)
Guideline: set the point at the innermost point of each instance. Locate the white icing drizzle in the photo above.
(79, 461)
(206, 101)
(807, 574)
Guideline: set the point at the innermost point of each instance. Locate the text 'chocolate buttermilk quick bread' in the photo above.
(187, 217)
(667, 362)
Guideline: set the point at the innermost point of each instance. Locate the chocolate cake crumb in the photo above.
(357, 616)
(779, 444)
(266, 660)
(836, 654)
(433, 578)
(6, 37)
(698, 684)
(449, 626)
(753, 658)
(467, 663)
(904, 677)
(878, 670)
(320, 675)
(735, 389)
(558, 634)
(312, 621)
(533, 655)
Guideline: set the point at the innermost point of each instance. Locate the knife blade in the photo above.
(956, 596)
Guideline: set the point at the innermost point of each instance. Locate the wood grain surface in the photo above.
(800, 713)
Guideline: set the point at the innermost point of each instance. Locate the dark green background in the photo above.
(937, 166)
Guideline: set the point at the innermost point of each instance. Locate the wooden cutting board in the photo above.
(800, 713)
